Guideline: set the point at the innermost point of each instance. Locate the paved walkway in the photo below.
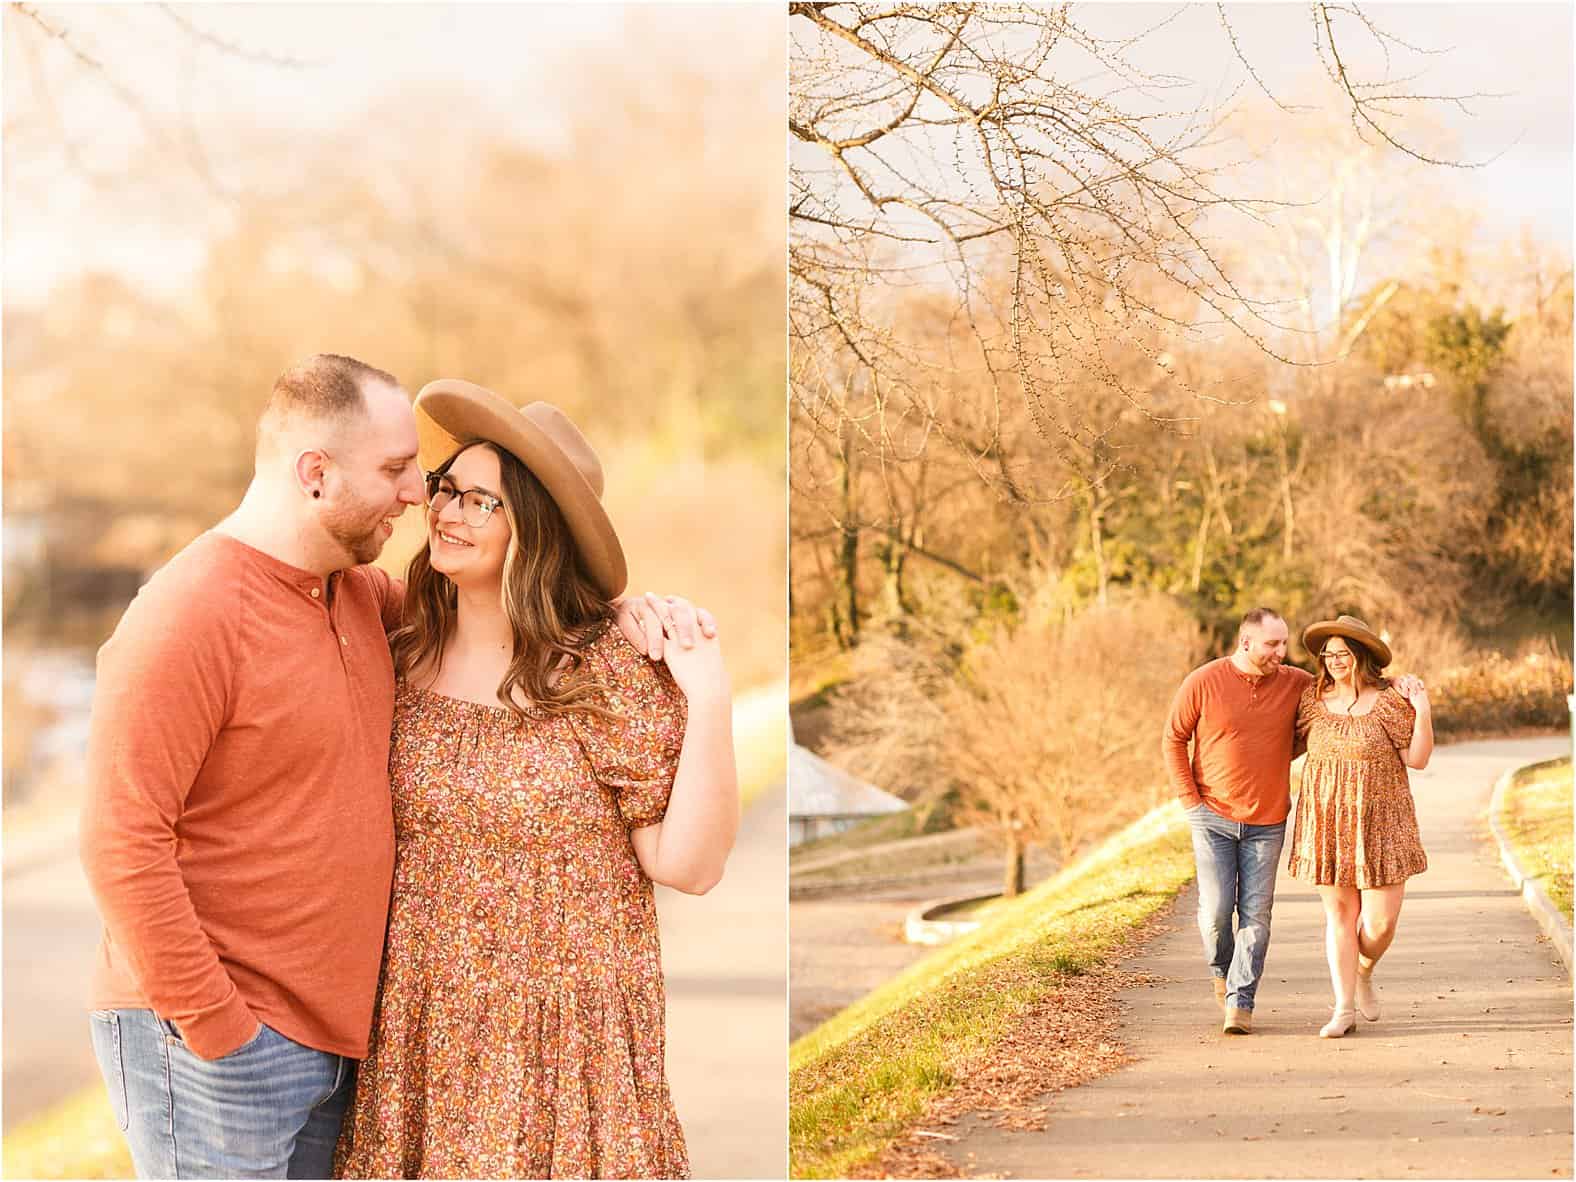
(51, 935)
(1468, 1074)
(841, 948)
(846, 937)
(725, 957)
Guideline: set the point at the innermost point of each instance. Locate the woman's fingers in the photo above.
(667, 618)
(707, 623)
(670, 618)
(679, 619)
(649, 625)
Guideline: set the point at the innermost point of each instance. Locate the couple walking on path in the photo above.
(1355, 834)
(293, 756)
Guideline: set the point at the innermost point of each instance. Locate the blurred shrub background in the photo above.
(581, 206)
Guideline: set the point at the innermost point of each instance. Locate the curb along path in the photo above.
(1467, 1075)
(1553, 922)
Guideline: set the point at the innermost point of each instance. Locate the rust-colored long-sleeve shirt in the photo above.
(1242, 730)
(238, 833)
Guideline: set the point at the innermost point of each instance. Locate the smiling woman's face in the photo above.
(1337, 657)
(470, 555)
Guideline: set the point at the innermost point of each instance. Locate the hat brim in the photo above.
(452, 415)
(1314, 635)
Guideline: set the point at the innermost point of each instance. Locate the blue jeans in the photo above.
(270, 1109)
(1236, 872)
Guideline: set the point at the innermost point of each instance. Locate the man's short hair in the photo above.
(1256, 617)
(324, 386)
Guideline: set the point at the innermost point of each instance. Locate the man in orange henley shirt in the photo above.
(238, 830)
(1240, 713)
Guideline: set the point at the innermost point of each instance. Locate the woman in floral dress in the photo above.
(544, 775)
(1356, 828)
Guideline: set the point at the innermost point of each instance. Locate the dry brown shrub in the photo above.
(1052, 732)
(1496, 694)
(1428, 645)
(889, 718)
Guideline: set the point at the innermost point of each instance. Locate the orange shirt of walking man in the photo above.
(237, 832)
(1239, 712)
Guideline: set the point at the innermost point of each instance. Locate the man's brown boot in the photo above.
(1238, 1021)
(1220, 992)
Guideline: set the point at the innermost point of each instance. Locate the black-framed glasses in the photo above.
(476, 506)
(1336, 655)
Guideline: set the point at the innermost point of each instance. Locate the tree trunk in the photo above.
(848, 577)
(1286, 498)
(1097, 542)
(1199, 543)
(848, 554)
(1012, 867)
(893, 603)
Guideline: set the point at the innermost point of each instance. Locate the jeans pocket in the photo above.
(105, 1026)
(250, 1044)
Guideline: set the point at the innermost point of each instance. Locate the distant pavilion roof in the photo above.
(816, 788)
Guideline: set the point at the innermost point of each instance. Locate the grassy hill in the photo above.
(859, 1080)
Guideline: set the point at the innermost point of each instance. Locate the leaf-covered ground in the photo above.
(1023, 1006)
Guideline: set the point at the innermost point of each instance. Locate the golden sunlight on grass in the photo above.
(1536, 815)
(860, 1079)
(76, 1138)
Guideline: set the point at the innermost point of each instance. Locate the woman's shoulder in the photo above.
(620, 665)
(610, 647)
(1393, 701)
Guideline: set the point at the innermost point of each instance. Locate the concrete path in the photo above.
(1467, 1075)
(724, 956)
(846, 935)
(51, 935)
(842, 948)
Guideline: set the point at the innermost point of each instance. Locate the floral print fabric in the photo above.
(1355, 822)
(519, 1025)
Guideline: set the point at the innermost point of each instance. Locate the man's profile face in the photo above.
(1264, 643)
(373, 476)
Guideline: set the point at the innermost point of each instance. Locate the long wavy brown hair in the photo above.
(1368, 671)
(554, 607)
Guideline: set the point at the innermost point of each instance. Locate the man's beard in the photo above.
(358, 532)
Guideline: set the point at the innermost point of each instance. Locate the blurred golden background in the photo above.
(581, 204)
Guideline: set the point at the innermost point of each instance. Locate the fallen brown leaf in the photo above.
(1068, 1038)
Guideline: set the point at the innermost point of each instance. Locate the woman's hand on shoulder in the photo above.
(692, 656)
(1411, 688)
(644, 620)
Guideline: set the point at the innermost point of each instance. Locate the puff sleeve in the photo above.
(1397, 717)
(1307, 708)
(636, 753)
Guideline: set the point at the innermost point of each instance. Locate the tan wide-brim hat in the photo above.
(1350, 628)
(451, 415)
